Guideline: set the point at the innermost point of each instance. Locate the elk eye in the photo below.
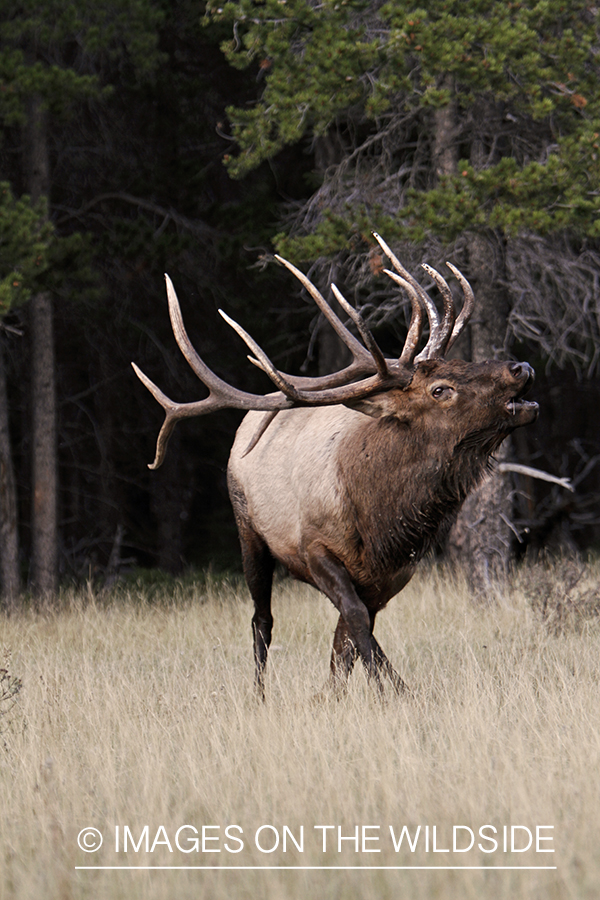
(441, 390)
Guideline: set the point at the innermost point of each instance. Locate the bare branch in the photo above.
(536, 473)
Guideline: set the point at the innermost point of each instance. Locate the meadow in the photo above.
(133, 713)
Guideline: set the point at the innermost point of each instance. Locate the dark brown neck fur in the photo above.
(397, 519)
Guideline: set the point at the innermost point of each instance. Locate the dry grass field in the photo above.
(137, 709)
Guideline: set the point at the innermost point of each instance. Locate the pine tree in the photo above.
(51, 59)
(469, 128)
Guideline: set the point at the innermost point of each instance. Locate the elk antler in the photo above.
(468, 305)
(369, 372)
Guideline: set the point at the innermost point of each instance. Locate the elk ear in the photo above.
(376, 406)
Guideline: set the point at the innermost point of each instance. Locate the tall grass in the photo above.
(136, 713)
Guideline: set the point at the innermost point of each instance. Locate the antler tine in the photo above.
(370, 342)
(439, 346)
(432, 314)
(416, 320)
(173, 412)
(355, 347)
(467, 308)
(170, 417)
(263, 360)
(183, 342)
(156, 392)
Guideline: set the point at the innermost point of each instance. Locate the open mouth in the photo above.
(515, 406)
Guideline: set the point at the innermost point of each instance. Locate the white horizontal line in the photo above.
(324, 868)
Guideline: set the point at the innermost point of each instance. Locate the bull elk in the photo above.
(351, 477)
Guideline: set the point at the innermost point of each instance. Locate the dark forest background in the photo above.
(139, 137)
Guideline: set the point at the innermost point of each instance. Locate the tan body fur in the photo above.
(277, 487)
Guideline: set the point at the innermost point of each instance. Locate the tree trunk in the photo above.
(44, 572)
(481, 536)
(44, 463)
(9, 540)
(480, 539)
(445, 147)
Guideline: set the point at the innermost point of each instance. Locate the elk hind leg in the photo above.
(383, 663)
(343, 657)
(259, 565)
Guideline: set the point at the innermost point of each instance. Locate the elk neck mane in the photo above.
(396, 520)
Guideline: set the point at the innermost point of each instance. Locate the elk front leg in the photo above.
(259, 566)
(329, 576)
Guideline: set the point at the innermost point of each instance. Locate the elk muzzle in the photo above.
(521, 412)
